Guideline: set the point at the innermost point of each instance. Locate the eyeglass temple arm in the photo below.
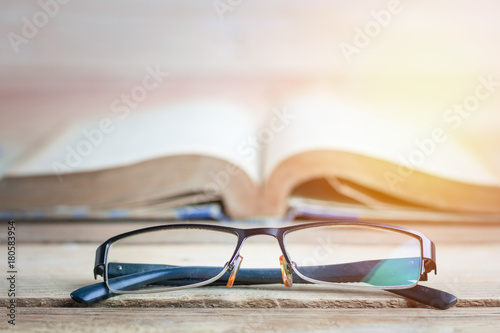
(429, 296)
(97, 292)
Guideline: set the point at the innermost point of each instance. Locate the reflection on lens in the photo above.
(166, 259)
(355, 255)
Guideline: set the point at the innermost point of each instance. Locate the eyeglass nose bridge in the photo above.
(286, 267)
(286, 271)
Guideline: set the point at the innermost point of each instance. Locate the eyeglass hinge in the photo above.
(429, 266)
(98, 270)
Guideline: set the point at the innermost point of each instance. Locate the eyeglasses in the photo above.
(339, 253)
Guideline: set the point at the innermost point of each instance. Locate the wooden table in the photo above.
(56, 258)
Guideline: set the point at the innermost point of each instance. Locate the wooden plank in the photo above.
(98, 231)
(258, 36)
(48, 273)
(482, 320)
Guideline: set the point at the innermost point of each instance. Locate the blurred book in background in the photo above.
(316, 156)
(372, 109)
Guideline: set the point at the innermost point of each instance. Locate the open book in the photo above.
(314, 156)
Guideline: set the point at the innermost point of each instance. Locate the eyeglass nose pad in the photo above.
(286, 272)
(234, 271)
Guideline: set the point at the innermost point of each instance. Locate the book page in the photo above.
(205, 127)
(10, 151)
(322, 122)
(16, 142)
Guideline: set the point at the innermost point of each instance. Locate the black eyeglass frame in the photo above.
(427, 247)
(422, 294)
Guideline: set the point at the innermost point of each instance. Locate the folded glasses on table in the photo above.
(339, 253)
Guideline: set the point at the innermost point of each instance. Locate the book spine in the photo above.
(201, 212)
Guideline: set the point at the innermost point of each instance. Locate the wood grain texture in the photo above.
(484, 320)
(121, 37)
(97, 231)
(48, 273)
(49, 270)
(88, 54)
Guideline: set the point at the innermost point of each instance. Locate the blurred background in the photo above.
(416, 61)
(64, 59)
